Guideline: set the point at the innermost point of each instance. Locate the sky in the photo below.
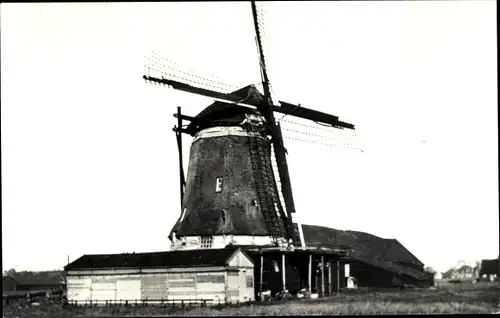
(89, 159)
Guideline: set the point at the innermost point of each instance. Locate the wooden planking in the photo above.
(174, 276)
(175, 286)
(188, 293)
(102, 291)
(210, 288)
(240, 260)
(210, 278)
(79, 289)
(80, 294)
(154, 287)
(181, 283)
(128, 289)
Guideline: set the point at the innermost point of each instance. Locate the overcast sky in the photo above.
(89, 159)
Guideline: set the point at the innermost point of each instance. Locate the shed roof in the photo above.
(171, 259)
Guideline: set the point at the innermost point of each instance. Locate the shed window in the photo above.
(218, 185)
(249, 281)
(206, 241)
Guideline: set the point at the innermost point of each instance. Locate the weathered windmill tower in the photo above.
(231, 194)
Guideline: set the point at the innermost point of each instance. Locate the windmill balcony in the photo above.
(219, 241)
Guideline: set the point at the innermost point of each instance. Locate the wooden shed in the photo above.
(210, 275)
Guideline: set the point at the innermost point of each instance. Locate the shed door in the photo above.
(233, 287)
(245, 295)
(128, 290)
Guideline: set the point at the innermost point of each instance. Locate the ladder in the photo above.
(279, 190)
(270, 204)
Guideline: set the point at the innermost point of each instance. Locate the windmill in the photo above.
(231, 189)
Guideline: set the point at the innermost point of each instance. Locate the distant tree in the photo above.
(429, 269)
(448, 273)
(10, 272)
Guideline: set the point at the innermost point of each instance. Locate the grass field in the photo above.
(444, 299)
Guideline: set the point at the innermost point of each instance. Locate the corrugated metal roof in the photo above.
(172, 259)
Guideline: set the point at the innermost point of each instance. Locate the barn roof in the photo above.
(388, 254)
(172, 259)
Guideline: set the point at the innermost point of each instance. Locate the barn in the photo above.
(373, 261)
(210, 275)
(489, 269)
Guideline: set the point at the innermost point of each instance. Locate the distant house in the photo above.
(40, 286)
(35, 281)
(8, 283)
(464, 272)
(489, 268)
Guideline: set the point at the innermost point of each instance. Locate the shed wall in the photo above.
(131, 287)
(237, 284)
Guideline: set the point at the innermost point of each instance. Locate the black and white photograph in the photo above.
(243, 158)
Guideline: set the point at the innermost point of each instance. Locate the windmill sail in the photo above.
(237, 188)
(282, 186)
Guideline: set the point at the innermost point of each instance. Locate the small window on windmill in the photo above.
(218, 185)
(206, 241)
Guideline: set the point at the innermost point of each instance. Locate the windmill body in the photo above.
(230, 195)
